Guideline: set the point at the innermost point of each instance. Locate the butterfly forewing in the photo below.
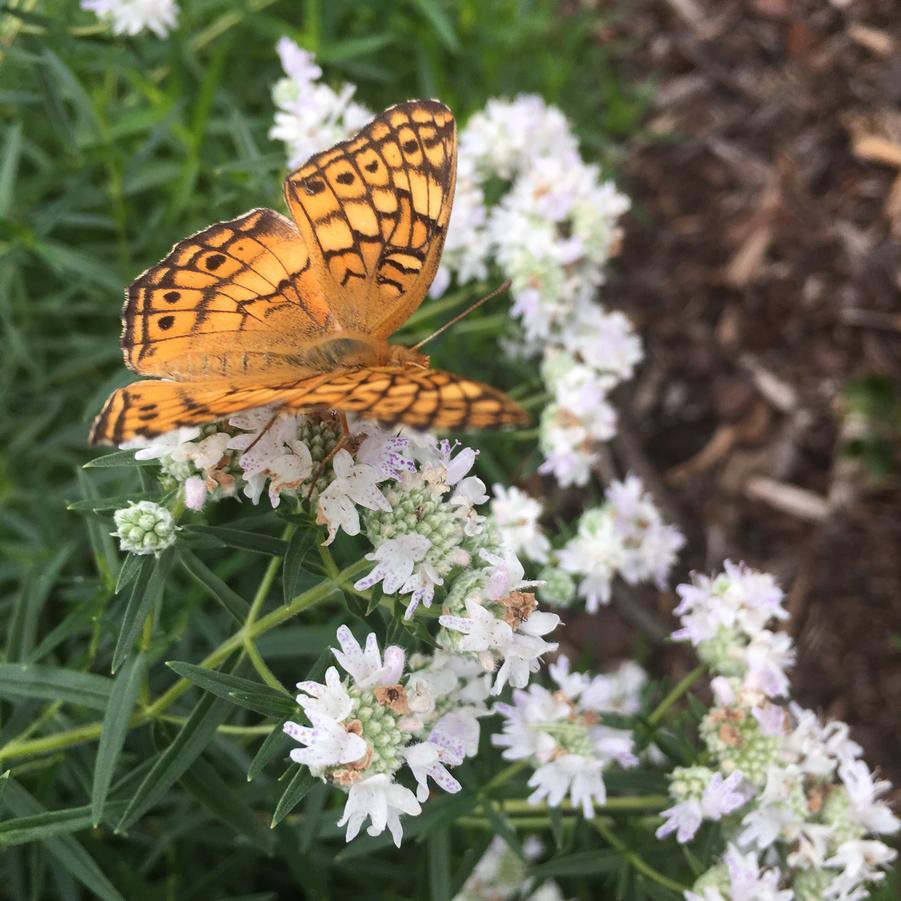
(233, 299)
(374, 211)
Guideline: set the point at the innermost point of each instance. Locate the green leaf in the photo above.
(115, 728)
(301, 782)
(230, 599)
(442, 25)
(39, 827)
(245, 541)
(438, 848)
(245, 692)
(50, 683)
(70, 854)
(146, 591)
(502, 827)
(12, 148)
(584, 863)
(263, 703)
(193, 737)
(275, 744)
(205, 783)
(295, 575)
(118, 458)
(131, 568)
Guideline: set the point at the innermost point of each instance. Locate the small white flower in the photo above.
(426, 760)
(367, 668)
(330, 699)
(866, 810)
(481, 629)
(572, 774)
(401, 567)
(860, 861)
(133, 16)
(328, 743)
(354, 483)
(767, 657)
(382, 801)
(517, 515)
(299, 64)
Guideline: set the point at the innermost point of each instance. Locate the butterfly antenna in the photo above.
(482, 300)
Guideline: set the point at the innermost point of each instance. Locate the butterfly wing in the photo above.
(237, 298)
(421, 398)
(374, 212)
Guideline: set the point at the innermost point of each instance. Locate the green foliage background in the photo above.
(112, 150)
(128, 763)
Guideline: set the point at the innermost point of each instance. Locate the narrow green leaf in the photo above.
(502, 827)
(301, 782)
(146, 591)
(131, 567)
(50, 683)
(105, 554)
(295, 575)
(583, 863)
(230, 599)
(70, 854)
(245, 541)
(118, 458)
(442, 25)
(115, 728)
(438, 848)
(193, 737)
(265, 704)
(235, 689)
(275, 744)
(102, 504)
(39, 827)
(9, 166)
(205, 783)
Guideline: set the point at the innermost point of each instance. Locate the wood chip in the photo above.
(877, 149)
(879, 42)
(790, 499)
(778, 392)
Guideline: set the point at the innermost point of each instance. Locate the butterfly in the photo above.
(262, 310)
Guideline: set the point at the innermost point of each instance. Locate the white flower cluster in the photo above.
(501, 874)
(551, 228)
(563, 735)
(418, 510)
(792, 793)
(311, 116)
(626, 537)
(131, 17)
(367, 725)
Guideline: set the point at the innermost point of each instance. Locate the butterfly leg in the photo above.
(262, 431)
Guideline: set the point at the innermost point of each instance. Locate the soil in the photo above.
(762, 266)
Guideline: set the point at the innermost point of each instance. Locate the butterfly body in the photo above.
(262, 310)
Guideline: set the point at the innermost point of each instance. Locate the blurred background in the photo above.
(760, 142)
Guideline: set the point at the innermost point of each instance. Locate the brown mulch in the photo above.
(762, 266)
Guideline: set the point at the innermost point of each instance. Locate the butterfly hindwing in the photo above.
(374, 212)
(421, 398)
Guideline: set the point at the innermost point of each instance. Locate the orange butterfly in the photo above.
(261, 310)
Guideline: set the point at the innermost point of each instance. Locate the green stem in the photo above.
(636, 862)
(675, 694)
(91, 731)
(503, 776)
(265, 585)
(261, 666)
(625, 802)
